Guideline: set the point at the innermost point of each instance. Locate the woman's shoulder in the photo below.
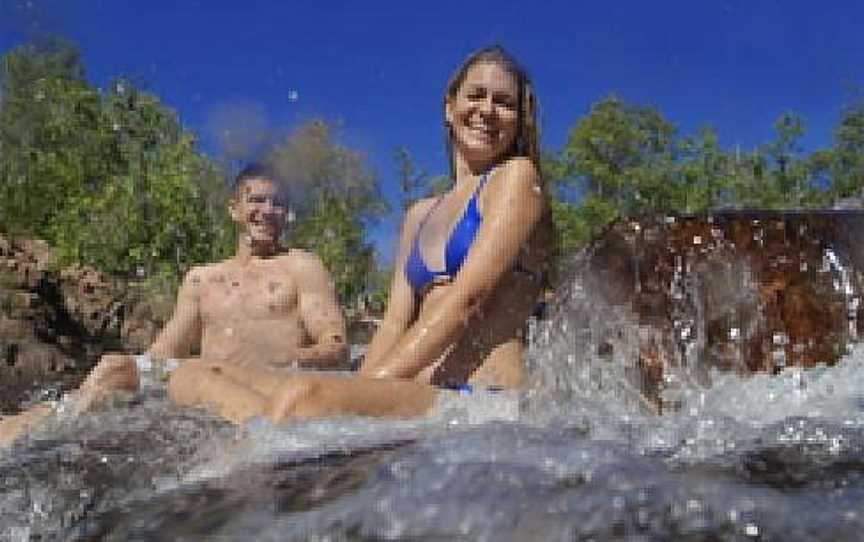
(516, 178)
(418, 211)
(517, 169)
(420, 206)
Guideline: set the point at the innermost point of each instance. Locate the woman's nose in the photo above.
(487, 107)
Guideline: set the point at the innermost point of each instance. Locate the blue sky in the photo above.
(379, 68)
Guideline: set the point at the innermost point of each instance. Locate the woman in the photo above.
(467, 275)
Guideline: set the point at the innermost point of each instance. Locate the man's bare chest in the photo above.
(249, 294)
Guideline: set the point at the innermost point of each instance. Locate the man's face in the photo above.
(259, 210)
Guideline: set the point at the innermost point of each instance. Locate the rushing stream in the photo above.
(583, 457)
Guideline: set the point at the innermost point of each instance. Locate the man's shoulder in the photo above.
(207, 269)
(300, 257)
(204, 273)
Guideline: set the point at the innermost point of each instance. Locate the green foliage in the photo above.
(623, 159)
(620, 152)
(335, 195)
(411, 180)
(415, 183)
(846, 163)
(109, 179)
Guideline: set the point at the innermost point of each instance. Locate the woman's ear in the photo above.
(448, 112)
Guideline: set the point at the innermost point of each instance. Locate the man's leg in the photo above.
(114, 372)
(212, 384)
(13, 427)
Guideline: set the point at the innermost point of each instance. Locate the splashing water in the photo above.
(769, 457)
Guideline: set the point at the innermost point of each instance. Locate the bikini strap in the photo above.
(483, 179)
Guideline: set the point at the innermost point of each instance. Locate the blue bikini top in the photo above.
(461, 239)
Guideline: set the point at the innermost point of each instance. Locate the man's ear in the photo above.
(233, 210)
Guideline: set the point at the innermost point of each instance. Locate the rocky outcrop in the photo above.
(740, 291)
(55, 322)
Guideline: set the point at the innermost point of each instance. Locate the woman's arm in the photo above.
(400, 304)
(513, 205)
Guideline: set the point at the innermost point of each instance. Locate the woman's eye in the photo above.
(506, 101)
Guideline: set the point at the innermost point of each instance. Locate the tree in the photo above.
(151, 190)
(109, 179)
(411, 180)
(847, 169)
(335, 196)
(48, 134)
(622, 153)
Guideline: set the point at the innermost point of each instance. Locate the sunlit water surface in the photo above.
(768, 458)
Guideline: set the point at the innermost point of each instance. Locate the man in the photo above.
(262, 308)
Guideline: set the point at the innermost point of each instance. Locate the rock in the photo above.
(736, 291)
(56, 322)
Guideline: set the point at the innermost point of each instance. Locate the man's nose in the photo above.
(267, 206)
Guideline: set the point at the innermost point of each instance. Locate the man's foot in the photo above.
(114, 372)
(13, 427)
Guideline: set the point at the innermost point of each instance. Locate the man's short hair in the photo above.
(255, 170)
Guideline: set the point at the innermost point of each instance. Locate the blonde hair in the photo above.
(527, 134)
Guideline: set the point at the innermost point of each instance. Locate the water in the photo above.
(584, 457)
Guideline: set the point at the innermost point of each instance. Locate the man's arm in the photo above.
(320, 314)
(183, 331)
(116, 372)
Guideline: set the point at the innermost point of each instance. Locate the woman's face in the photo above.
(484, 114)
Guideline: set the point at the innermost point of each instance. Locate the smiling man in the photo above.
(264, 307)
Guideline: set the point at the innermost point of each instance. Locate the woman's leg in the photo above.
(239, 393)
(312, 396)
